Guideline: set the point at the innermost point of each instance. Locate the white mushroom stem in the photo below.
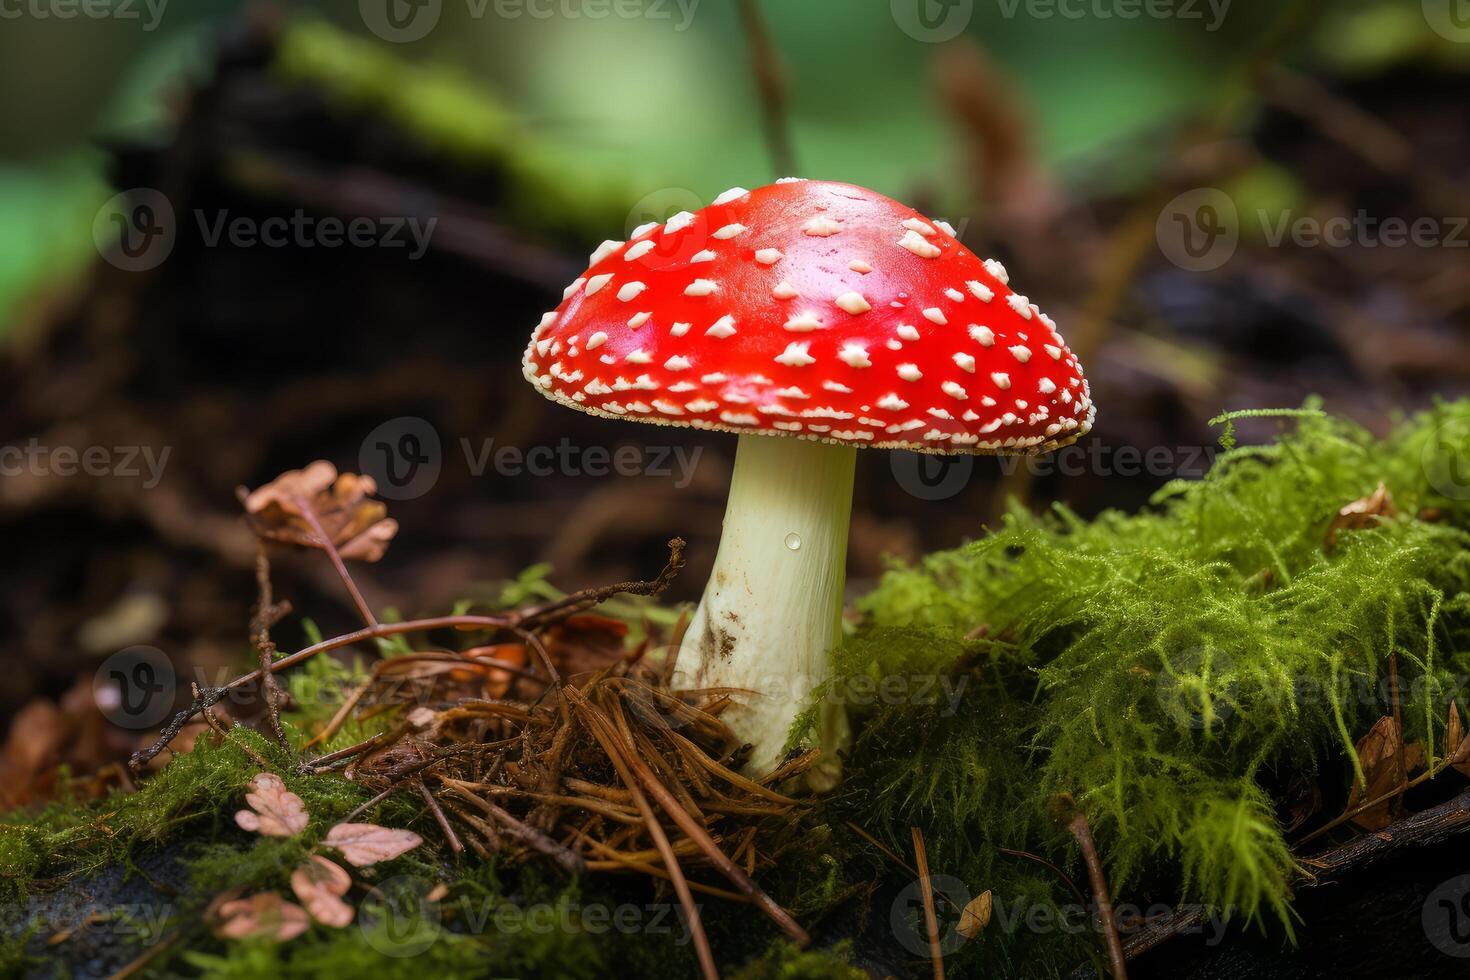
(772, 608)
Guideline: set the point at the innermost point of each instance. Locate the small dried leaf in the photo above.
(274, 810)
(498, 682)
(263, 916)
(367, 843)
(976, 915)
(356, 524)
(1366, 512)
(320, 884)
(1457, 742)
(1378, 752)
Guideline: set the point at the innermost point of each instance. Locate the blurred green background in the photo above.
(660, 100)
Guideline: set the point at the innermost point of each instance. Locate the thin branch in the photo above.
(1066, 879)
(330, 548)
(267, 613)
(1080, 830)
(1398, 728)
(219, 730)
(1398, 790)
(770, 81)
(209, 697)
(585, 599)
(931, 921)
(443, 821)
(570, 861)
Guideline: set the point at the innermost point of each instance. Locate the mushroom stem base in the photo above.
(772, 608)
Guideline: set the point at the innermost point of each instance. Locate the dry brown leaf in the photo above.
(320, 884)
(586, 642)
(1457, 742)
(1378, 752)
(274, 810)
(358, 525)
(1365, 512)
(262, 916)
(497, 682)
(367, 843)
(976, 915)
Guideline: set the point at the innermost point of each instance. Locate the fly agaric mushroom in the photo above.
(836, 318)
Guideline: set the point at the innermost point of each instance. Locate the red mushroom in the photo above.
(825, 313)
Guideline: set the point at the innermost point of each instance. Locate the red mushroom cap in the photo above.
(812, 309)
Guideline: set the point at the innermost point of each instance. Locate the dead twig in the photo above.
(770, 83)
(267, 614)
(931, 921)
(308, 513)
(584, 599)
(449, 835)
(1079, 829)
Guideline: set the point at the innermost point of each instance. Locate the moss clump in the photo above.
(1167, 668)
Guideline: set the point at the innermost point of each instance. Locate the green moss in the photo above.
(783, 961)
(1165, 668)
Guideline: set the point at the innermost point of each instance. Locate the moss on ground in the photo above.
(1172, 670)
